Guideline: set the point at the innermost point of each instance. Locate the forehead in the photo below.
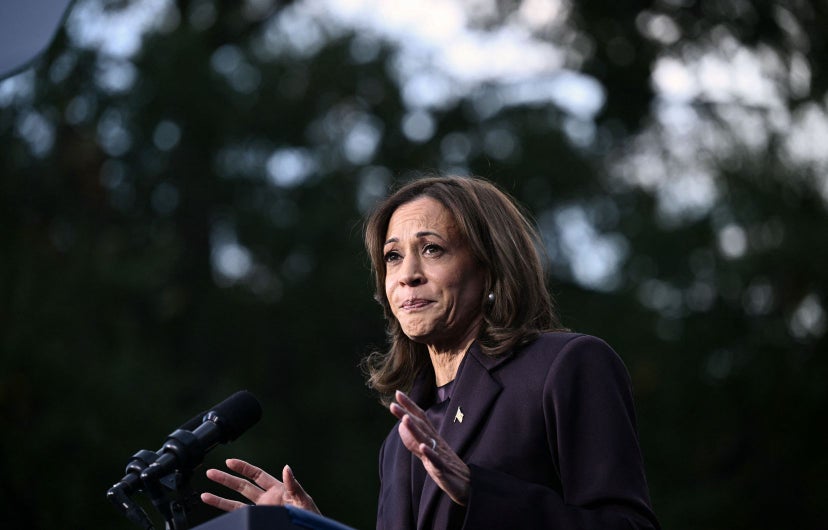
(420, 214)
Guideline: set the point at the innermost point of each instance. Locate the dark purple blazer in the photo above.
(549, 434)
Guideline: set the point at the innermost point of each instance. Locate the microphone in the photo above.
(184, 449)
(131, 482)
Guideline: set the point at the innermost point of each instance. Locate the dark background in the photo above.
(184, 221)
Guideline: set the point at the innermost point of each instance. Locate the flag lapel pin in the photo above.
(458, 416)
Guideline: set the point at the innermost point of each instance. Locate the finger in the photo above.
(424, 427)
(243, 486)
(224, 478)
(412, 438)
(295, 493)
(254, 473)
(292, 486)
(422, 430)
(408, 404)
(221, 503)
(434, 457)
(397, 411)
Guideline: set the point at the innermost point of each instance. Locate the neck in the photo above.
(445, 366)
(446, 361)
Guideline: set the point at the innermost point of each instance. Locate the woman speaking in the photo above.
(506, 420)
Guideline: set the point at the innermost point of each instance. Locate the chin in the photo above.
(418, 336)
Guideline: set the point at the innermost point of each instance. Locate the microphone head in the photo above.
(235, 414)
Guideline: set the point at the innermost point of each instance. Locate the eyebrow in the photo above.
(420, 234)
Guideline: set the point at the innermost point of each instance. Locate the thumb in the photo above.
(295, 494)
(292, 485)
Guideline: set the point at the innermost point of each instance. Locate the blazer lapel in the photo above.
(474, 394)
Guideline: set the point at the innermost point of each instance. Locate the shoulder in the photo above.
(557, 344)
(552, 357)
(570, 353)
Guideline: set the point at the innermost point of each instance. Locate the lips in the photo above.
(414, 303)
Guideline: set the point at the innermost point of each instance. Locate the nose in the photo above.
(411, 272)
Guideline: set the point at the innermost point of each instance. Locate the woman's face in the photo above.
(432, 281)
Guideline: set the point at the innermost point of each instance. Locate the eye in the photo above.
(431, 249)
(391, 255)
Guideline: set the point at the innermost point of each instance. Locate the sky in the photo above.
(446, 50)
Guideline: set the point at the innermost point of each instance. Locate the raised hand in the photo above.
(257, 486)
(441, 462)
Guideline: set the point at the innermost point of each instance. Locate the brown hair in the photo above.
(506, 245)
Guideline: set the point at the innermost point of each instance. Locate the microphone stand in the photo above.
(120, 494)
(170, 493)
(181, 453)
(173, 506)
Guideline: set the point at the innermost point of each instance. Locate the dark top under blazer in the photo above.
(550, 436)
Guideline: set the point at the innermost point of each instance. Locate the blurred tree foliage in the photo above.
(185, 221)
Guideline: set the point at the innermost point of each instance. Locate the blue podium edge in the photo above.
(272, 518)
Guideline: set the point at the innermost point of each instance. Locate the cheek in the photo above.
(469, 291)
(389, 296)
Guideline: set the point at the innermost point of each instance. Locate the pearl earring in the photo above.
(491, 298)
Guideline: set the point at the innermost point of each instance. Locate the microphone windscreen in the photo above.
(236, 414)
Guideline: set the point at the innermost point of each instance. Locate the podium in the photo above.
(271, 518)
